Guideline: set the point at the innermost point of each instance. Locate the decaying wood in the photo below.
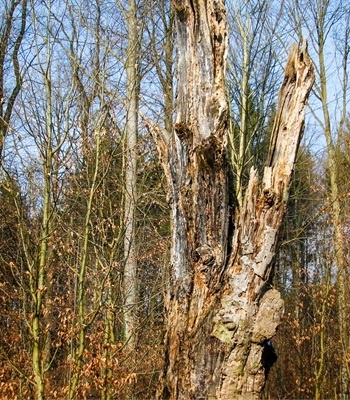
(290, 75)
(221, 309)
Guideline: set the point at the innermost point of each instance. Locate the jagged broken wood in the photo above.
(221, 311)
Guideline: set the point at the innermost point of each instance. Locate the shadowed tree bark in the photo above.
(221, 309)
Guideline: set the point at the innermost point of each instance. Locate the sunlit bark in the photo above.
(221, 310)
(130, 173)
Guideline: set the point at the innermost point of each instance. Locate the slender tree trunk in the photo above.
(6, 38)
(321, 362)
(339, 238)
(108, 342)
(240, 144)
(130, 254)
(110, 323)
(39, 285)
(83, 319)
(221, 310)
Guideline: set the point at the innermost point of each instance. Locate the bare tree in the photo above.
(130, 197)
(11, 73)
(221, 310)
(326, 22)
(253, 77)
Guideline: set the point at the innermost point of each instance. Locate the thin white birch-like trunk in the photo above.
(130, 195)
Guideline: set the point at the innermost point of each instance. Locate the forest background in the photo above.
(84, 219)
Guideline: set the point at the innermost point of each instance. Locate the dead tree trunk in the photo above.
(221, 310)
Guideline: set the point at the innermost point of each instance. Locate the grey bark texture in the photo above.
(221, 309)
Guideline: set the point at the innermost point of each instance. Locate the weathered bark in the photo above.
(221, 309)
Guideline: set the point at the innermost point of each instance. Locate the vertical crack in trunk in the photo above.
(221, 311)
(250, 308)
